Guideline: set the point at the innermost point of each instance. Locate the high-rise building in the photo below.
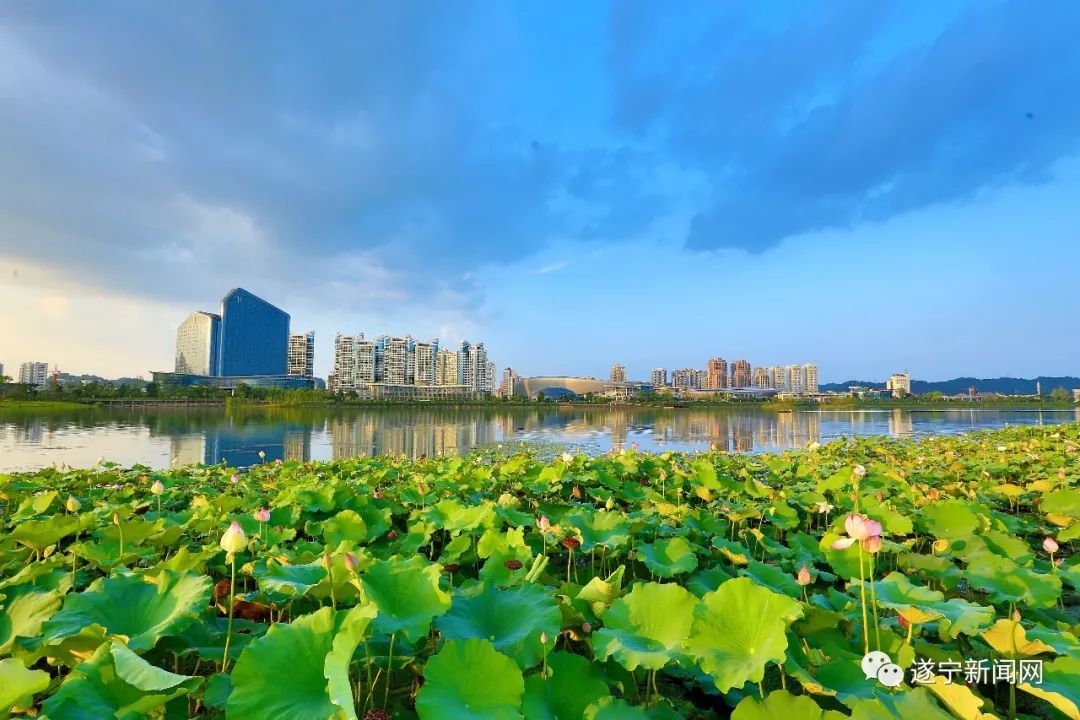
(793, 379)
(716, 374)
(472, 362)
(302, 355)
(687, 378)
(354, 363)
(34, 373)
(197, 344)
(809, 378)
(447, 369)
(618, 373)
(761, 377)
(899, 384)
(423, 362)
(506, 387)
(659, 378)
(740, 374)
(392, 360)
(254, 336)
(777, 377)
(490, 375)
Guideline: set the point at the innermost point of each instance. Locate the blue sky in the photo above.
(867, 186)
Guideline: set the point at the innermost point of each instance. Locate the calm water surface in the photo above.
(163, 436)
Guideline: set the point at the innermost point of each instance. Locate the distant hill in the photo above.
(1003, 385)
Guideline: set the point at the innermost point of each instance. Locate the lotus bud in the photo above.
(392, 534)
(262, 455)
(234, 478)
(262, 515)
(326, 560)
(542, 523)
(609, 504)
(803, 578)
(351, 563)
(116, 518)
(99, 461)
(634, 445)
(157, 488)
(543, 638)
(1002, 448)
(421, 488)
(1050, 545)
(858, 472)
(1061, 473)
(72, 504)
(586, 627)
(234, 540)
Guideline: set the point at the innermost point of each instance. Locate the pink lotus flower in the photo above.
(803, 578)
(234, 479)
(1050, 545)
(858, 472)
(542, 523)
(859, 528)
(872, 544)
(351, 563)
(234, 540)
(262, 515)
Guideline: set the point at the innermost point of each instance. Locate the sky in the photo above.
(871, 187)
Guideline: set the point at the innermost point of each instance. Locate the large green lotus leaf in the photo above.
(103, 687)
(706, 580)
(1007, 545)
(961, 617)
(140, 608)
(1060, 686)
(18, 685)
(893, 523)
(772, 577)
(352, 631)
(512, 620)
(1064, 643)
(470, 679)
(40, 534)
(667, 558)
(346, 526)
(601, 593)
(1008, 582)
(1063, 502)
(1009, 639)
(498, 548)
(299, 689)
(738, 630)
(782, 705)
(845, 562)
(602, 528)
(135, 531)
(453, 516)
(407, 594)
(291, 580)
(573, 683)
(23, 609)
(918, 703)
(610, 708)
(895, 591)
(647, 627)
(950, 519)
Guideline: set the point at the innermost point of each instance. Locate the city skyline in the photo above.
(851, 184)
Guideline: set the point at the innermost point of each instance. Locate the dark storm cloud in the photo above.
(825, 115)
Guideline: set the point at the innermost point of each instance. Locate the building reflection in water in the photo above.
(238, 442)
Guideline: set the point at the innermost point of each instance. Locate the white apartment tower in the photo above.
(197, 344)
(301, 359)
(34, 373)
(472, 363)
(618, 373)
(659, 377)
(809, 378)
(447, 370)
(490, 375)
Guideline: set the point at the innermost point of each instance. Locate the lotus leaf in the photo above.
(346, 526)
(19, 685)
(470, 679)
(667, 558)
(572, 685)
(22, 613)
(302, 650)
(407, 594)
(610, 708)
(918, 703)
(647, 627)
(961, 699)
(772, 577)
(292, 580)
(1008, 582)
(950, 519)
(1009, 639)
(513, 620)
(140, 608)
(782, 705)
(115, 682)
(1060, 686)
(40, 534)
(738, 630)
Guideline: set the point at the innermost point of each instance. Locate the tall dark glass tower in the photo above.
(254, 336)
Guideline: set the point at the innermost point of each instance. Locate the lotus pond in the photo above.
(631, 585)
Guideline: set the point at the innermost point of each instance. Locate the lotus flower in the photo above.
(351, 563)
(262, 455)
(567, 458)
(859, 528)
(262, 515)
(234, 540)
(157, 488)
(234, 479)
(858, 472)
(823, 507)
(1002, 448)
(1050, 545)
(872, 544)
(73, 505)
(571, 542)
(803, 578)
(542, 523)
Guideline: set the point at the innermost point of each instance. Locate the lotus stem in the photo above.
(862, 601)
(232, 602)
(389, 671)
(873, 604)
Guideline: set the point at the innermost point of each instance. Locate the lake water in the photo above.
(160, 437)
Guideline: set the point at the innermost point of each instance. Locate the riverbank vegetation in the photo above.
(628, 585)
